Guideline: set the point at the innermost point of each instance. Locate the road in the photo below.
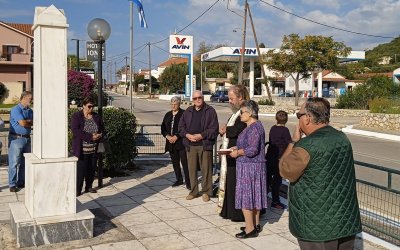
(366, 149)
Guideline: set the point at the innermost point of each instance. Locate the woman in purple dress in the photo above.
(251, 193)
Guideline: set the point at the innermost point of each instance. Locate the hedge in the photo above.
(120, 126)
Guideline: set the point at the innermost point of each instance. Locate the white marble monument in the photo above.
(49, 214)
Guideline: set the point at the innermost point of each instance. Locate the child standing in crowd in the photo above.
(279, 138)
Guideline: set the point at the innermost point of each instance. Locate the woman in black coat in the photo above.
(87, 131)
(173, 142)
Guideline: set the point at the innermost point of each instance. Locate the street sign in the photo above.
(87, 71)
(92, 51)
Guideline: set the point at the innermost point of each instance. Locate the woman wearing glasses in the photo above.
(251, 193)
(87, 130)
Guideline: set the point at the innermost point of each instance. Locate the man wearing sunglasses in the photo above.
(323, 205)
(198, 127)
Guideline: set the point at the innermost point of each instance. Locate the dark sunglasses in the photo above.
(241, 112)
(90, 106)
(197, 98)
(299, 115)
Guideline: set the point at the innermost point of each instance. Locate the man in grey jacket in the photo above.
(199, 129)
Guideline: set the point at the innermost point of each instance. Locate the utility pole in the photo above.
(115, 72)
(149, 71)
(258, 52)
(131, 53)
(126, 72)
(241, 61)
(77, 53)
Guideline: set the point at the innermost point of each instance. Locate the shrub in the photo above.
(80, 85)
(3, 91)
(266, 102)
(120, 126)
(385, 105)
(375, 87)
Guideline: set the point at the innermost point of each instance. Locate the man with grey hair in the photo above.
(19, 141)
(173, 142)
(323, 205)
(199, 129)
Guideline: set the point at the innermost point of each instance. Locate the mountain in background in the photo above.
(384, 57)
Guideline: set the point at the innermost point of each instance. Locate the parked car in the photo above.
(286, 94)
(206, 92)
(180, 92)
(220, 96)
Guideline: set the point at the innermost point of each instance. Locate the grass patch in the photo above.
(2, 105)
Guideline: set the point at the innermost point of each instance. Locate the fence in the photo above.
(149, 140)
(379, 200)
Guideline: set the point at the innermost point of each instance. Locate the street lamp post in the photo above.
(99, 31)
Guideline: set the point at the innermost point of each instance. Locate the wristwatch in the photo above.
(292, 142)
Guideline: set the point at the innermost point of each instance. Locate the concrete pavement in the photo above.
(142, 211)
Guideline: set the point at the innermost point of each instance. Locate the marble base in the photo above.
(50, 186)
(48, 230)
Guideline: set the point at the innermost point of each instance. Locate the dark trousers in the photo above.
(274, 179)
(179, 157)
(346, 243)
(86, 168)
(197, 156)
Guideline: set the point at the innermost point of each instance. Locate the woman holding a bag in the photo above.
(87, 129)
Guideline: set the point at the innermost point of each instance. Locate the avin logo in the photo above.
(180, 41)
(180, 44)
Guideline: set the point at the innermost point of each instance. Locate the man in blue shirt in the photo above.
(19, 141)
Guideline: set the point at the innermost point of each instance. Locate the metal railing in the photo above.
(379, 201)
(149, 140)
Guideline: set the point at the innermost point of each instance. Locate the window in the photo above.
(11, 49)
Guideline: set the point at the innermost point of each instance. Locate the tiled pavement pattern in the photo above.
(157, 216)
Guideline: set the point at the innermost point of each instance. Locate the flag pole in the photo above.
(131, 54)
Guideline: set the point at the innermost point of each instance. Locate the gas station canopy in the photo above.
(232, 54)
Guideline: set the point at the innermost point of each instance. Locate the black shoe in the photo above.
(90, 190)
(14, 189)
(258, 228)
(177, 183)
(244, 235)
(78, 194)
(21, 186)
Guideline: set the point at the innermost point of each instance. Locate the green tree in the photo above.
(299, 57)
(73, 63)
(173, 77)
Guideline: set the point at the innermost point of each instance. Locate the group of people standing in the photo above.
(317, 160)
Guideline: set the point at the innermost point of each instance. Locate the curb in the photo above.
(349, 130)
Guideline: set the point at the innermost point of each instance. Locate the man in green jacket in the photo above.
(323, 205)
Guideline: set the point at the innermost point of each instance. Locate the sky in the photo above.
(377, 18)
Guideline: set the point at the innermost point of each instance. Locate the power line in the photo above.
(124, 53)
(161, 48)
(326, 25)
(208, 9)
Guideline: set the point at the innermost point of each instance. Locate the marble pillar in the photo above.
(49, 214)
(251, 78)
(320, 83)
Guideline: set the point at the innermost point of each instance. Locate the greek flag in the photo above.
(142, 18)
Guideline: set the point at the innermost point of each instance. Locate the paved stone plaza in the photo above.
(142, 211)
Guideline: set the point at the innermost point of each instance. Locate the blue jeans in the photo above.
(16, 160)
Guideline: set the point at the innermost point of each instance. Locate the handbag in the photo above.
(103, 147)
